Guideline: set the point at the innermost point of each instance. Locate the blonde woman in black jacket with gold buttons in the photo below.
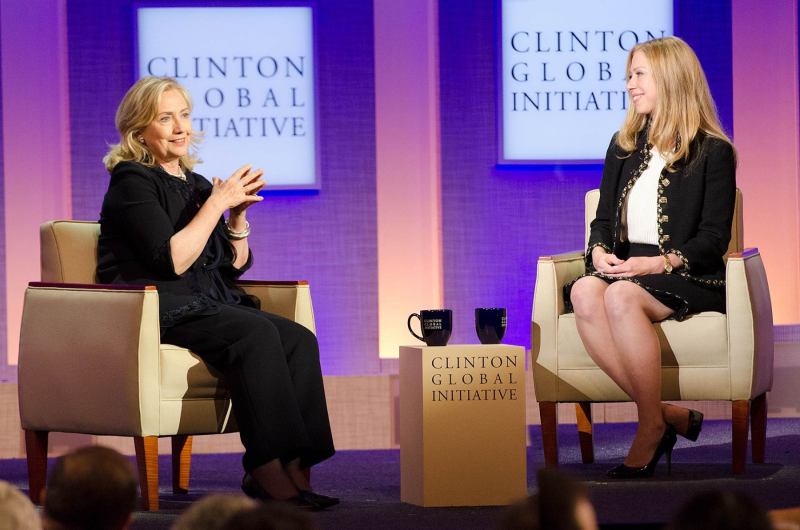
(657, 243)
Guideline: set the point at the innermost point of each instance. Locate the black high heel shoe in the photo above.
(665, 446)
(695, 425)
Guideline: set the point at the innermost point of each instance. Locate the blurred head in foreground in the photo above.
(17, 512)
(561, 503)
(92, 488)
(721, 510)
(213, 512)
(271, 516)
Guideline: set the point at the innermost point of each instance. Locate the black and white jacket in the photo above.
(695, 205)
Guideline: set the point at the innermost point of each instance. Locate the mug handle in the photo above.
(412, 315)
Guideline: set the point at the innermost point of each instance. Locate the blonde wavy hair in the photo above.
(684, 105)
(137, 110)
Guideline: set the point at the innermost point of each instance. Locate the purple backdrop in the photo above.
(498, 221)
(328, 238)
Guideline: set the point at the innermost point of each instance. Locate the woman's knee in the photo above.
(622, 298)
(587, 296)
(307, 342)
(261, 332)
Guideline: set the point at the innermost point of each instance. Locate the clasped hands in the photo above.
(611, 265)
(240, 190)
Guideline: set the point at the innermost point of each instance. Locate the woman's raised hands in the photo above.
(240, 190)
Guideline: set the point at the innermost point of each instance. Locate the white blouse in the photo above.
(641, 215)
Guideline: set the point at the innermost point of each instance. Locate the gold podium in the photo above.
(462, 425)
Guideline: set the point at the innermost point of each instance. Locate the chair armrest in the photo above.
(289, 299)
(565, 256)
(94, 286)
(750, 327)
(552, 273)
(89, 359)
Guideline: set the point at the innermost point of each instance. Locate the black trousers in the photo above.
(271, 368)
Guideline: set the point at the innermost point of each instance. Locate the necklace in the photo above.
(180, 175)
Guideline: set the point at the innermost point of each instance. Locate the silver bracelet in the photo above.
(234, 235)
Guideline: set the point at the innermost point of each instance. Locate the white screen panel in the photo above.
(250, 71)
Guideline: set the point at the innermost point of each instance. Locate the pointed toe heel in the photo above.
(624, 472)
(665, 446)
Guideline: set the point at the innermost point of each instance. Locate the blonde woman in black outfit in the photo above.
(163, 225)
(656, 246)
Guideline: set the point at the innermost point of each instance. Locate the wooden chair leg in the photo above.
(548, 412)
(758, 427)
(583, 411)
(740, 418)
(181, 463)
(147, 460)
(36, 452)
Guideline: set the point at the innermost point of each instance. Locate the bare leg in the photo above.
(588, 301)
(631, 311)
(274, 480)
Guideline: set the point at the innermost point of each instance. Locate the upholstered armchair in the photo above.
(91, 362)
(708, 356)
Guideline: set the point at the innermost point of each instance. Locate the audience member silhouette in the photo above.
(92, 488)
(271, 516)
(213, 512)
(17, 512)
(561, 503)
(785, 518)
(721, 510)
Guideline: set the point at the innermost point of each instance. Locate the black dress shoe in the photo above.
(253, 489)
(665, 446)
(323, 500)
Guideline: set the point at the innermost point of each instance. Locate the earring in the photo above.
(141, 139)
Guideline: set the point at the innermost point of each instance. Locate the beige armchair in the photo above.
(708, 356)
(91, 362)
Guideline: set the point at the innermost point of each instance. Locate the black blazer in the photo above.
(142, 209)
(695, 206)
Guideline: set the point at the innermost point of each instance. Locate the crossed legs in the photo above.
(614, 322)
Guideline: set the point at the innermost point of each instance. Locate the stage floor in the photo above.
(369, 481)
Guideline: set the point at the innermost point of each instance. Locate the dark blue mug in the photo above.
(490, 324)
(436, 326)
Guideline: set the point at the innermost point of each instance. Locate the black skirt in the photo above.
(677, 291)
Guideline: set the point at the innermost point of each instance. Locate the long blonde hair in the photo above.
(137, 110)
(684, 105)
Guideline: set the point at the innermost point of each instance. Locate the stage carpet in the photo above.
(369, 481)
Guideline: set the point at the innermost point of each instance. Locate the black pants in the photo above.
(271, 368)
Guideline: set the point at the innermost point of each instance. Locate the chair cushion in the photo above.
(679, 342)
(184, 375)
